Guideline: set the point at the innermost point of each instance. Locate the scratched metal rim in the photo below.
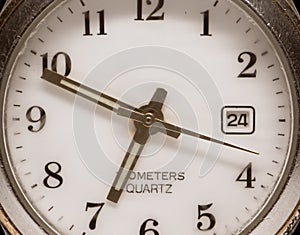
(285, 28)
(16, 214)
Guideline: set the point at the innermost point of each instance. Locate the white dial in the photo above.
(212, 69)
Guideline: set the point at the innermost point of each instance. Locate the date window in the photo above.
(238, 120)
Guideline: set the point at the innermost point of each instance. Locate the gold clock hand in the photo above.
(86, 92)
(137, 144)
(95, 96)
(165, 126)
(128, 164)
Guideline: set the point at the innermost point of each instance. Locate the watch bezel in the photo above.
(285, 212)
(16, 19)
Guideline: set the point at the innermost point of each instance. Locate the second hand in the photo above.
(173, 128)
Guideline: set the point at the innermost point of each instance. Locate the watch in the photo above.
(149, 117)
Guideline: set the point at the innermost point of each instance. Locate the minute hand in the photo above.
(162, 125)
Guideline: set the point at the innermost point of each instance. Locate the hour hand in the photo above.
(101, 98)
(86, 92)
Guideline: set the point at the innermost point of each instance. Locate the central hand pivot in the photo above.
(150, 115)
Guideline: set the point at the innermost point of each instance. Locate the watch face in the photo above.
(148, 117)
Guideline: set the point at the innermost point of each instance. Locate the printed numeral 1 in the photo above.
(205, 23)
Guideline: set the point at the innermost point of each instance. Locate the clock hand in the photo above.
(84, 91)
(95, 96)
(132, 155)
(136, 146)
(162, 126)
